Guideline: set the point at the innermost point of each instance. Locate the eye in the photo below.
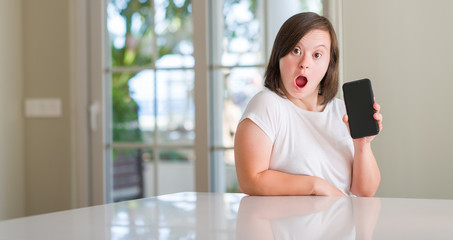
(296, 51)
(317, 55)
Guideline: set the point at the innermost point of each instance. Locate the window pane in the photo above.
(231, 180)
(128, 173)
(312, 6)
(175, 106)
(243, 84)
(129, 26)
(242, 43)
(231, 98)
(176, 171)
(125, 105)
(134, 171)
(225, 172)
(142, 92)
(174, 29)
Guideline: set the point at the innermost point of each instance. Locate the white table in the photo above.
(237, 216)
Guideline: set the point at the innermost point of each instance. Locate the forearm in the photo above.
(365, 171)
(271, 182)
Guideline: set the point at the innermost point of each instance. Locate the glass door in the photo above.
(237, 74)
(150, 110)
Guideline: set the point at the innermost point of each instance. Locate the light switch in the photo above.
(43, 107)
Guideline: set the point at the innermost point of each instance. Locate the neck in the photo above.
(312, 104)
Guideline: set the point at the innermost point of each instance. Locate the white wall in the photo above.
(11, 123)
(406, 48)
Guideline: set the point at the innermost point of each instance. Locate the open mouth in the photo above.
(301, 81)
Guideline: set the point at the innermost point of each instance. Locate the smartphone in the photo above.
(359, 100)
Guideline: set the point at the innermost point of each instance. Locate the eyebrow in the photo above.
(316, 46)
(321, 45)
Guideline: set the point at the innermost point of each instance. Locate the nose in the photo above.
(304, 61)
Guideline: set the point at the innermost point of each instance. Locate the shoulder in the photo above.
(337, 105)
(265, 109)
(266, 97)
(265, 100)
(337, 101)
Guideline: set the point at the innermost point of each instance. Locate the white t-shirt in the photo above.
(305, 142)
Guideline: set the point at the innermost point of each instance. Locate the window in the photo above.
(151, 102)
(237, 74)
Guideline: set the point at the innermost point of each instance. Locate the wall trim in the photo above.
(78, 42)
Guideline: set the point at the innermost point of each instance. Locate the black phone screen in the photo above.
(359, 100)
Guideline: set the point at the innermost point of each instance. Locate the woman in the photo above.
(291, 139)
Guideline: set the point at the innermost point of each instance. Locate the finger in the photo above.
(377, 107)
(346, 121)
(378, 116)
(345, 118)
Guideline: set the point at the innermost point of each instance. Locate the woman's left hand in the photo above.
(377, 116)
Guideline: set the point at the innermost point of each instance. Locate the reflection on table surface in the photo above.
(237, 216)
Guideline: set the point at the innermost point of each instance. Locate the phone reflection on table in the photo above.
(307, 217)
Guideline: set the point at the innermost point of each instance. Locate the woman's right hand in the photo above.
(324, 188)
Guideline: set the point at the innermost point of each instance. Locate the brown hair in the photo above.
(288, 36)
